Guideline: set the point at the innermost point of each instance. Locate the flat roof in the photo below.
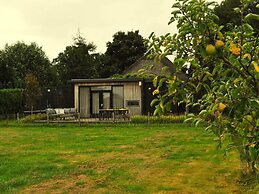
(105, 80)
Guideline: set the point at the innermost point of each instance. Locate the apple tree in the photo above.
(222, 67)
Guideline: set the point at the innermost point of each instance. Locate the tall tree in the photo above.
(226, 65)
(122, 52)
(32, 91)
(77, 61)
(7, 74)
(19, 59)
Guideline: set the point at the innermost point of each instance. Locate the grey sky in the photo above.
(52, 24)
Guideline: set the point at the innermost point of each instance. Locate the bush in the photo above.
(34, 117)
(158, 119)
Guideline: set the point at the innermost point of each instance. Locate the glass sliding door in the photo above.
(95, 103)
(84, 101)
(100, 100)
(106, 97)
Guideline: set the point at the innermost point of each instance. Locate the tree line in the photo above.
(79, 60)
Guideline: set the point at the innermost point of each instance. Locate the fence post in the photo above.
(79, 119)
(148, 118)
(113, 116)
(18, 117)
(47, 117)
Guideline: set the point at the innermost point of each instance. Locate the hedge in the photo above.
(11, 101)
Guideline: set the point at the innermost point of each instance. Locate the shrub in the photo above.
(158, 119)
(34, 117)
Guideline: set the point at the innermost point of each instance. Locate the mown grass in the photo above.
(68, 158)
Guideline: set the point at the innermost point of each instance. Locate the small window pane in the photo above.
(133, 103)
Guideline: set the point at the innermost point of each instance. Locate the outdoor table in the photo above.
(121, 113)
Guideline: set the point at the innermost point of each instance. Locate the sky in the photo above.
(52, 24)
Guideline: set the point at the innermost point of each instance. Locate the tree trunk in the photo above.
(247, 165)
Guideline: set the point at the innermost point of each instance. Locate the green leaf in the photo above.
(161, 82)
(158, 110)
(248, 27)
(155, 80)
(214, 17)
(197, 122)
(207, 128)
(203, 112)
(176, 5)
(198, 88)
(179, 62)
(164, 70)
(168, 106)
(175, 12)
(188, 120)
(220, 35)
(237, 10)
(203, 52)
(251, 16)
(151, 35)
(154, 101)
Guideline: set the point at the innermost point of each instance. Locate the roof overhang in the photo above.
(105, 80)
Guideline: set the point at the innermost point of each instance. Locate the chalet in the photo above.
(133, 94)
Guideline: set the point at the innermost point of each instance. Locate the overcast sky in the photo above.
(52, 24)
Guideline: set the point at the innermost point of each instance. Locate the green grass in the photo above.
(68, 158)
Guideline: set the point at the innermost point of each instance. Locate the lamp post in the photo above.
(48, 92)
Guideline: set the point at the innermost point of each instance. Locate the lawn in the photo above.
(172, 158)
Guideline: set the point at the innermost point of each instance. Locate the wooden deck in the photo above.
(84, 120)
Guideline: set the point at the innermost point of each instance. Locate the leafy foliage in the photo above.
(32, 90)
(34, 117)
(134, 75)
(163, 119)
(11, 101)
(228, 14)
(77, 61)
(122, 52)
(224, 64)
(19, 59)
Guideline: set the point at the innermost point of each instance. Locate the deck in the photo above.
(84, 120)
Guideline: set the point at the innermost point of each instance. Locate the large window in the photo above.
(117, 95)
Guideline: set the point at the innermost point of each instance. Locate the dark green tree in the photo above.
(20, 59)
(77, 61)
(229, 17)
(122, 52)
(32, 91)
(6, 74)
